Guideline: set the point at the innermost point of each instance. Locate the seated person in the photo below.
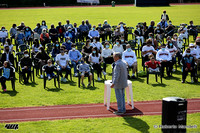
(20, 37)
(153, 65)
(139, 34)
(150, 29)
(163, 24)
(28, 34)
(70, 34)
(101, 31)
(165, 58)
(123, 42)
(84, 69)
(44, 37)
(193, 52)
(107, 29)
(9, 43)
(42, 57)
(61, 30)
(123, 30)
(153, 40)
(95, 60)
(67, 44)
(131, 60)
(62, 60)
(98, 45)
(55, 50)
(117, 34)
(118, 47)
(169, 31)
(7, 56)
(87, 50)
(35, 46)
(26, 64)
(75, 57)
(7, 73)
(93, 33)
(3, 35)
(37, 31)
(192, 29)
(13, 31)
(188, 66)
(107, 55)
(159, 32)
(49, 69)
(83, 30)
(147, 50)
(183, 31)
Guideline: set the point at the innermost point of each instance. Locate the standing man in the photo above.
(119, 82)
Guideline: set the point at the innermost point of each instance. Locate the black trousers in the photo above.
(168, 66)
(24, 71)
(108, 60)
(3, 82)
(98, 68)
(185, 73)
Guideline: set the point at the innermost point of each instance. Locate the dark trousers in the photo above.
(98, 68)
(108, 33)
(194, 33)
(3, 82)
(168, 66)
(82, 35)
(67, 70)
(108, 60)
(41, 64)
(185, 73)
(61, 36)
(24, 71)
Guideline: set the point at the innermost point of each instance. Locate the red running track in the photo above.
(85, 111)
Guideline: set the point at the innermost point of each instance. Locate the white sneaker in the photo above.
(61, 79)
(76, 74)
(173, 70)
(64, 80)
(41, 76)
(99, 79)
(49, 78)
(104, 73)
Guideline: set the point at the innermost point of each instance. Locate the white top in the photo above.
(171, 50)
(62, 59)
(118, 48)
(106, 53)
(147, 48)
(194, 53)
(163, 55)
(185, 29)
(94, 58)
(121, 29)
(36, 48)
(3, 34)
(129, 57)
(98, 45)
(180, 44)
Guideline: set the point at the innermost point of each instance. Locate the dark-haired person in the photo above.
(139, 34)
(44, 25)
(44, 37)
(101, 31)
(55, 50)
(26, 64)
(118, 47)
(7, 56)
(165, 59)
(28, 34)
(35, 47)
(53, 33)
(70, 34)
(87, 50)
(67, 25)
(159, 32)
(164, 16)
(7, 73)
(107, 29)
(3, 35)
(67, 44)
(95, 60)
(169, 31)
(9, 43)
(153, 40)
(88, 24)
(83, 30)
(107, 56)
(61, 31)
(188, 65)
(76, 30)
(13, 32)
(75, 57)
(37, 31)
(192, 29)
(93, 33)
(42, 56)
(97, 44)
(21, 26)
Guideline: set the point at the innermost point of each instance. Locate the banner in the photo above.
(88, 1)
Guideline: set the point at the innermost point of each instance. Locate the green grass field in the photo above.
(34, 94)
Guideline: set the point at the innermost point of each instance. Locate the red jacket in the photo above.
(152, 65)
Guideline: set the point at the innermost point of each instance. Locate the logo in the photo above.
(12, 126)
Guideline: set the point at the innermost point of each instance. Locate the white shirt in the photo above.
(118, 48)
(106, 52)
(129, 57)
(94, 58)
(147, 48)
(180, 44)
(98, 45)
(185, 29)
(171, 50)
(3, 34)
(194, 53)
(121, 29)
(163, 55)
(7, 56)
(36, 48)
(62, 59)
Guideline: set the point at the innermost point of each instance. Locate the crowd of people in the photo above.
(101, 42)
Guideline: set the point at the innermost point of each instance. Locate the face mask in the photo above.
(138, 28)
(94, 40)
(170, 23)
(93, 28)
(158, 27)
(121, 25)
(129, 49)
(43, 23)
(150, 37)
(57, 45)
(188, 54)
(122, 40)
(26, 55)
(3, 29)
(69, 41)
(163, 49)
(191, 49)
(99, 26)
(40, 51)
(107, 46)
(170, 44)
(70, 30)
(117, 43)
(61, 51)
(7, 50)
(94, 52)
(90, 44)
(26, 28)
(73, 49)
(106, 23)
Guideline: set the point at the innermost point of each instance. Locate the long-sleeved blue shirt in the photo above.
(83, 28)
(74, 55)
(93, 33)
(67, 45)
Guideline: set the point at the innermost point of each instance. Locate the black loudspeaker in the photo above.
(174, 115)
(151, 3)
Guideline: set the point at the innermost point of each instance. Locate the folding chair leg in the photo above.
(156, 78)
(44, 82)
(58, 79)
(161, 78)
(54, 81)
(79, 80)
(147, 78)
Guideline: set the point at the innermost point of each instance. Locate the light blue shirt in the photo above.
(93, 33)
(6, 72)
(74, 55)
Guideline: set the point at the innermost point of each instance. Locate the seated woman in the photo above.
(118, 47)
(9, 43)
(35, 47)
(44, 37)
(96, 59)
(42, 57)
(87, 50)
(139, 34)
(7, 73)
(107, 55)
(153, 65)
(55, 50)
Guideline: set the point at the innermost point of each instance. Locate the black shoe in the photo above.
(129, 77)
(118, 113)
(133, 77)
(89, 84)
(183, 81)
(83, 85)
